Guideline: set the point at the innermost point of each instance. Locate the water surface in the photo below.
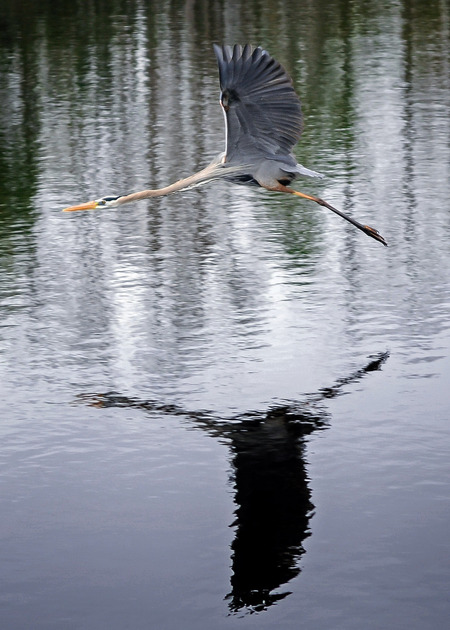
(224, 407)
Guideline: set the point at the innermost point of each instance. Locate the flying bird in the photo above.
(263, 122)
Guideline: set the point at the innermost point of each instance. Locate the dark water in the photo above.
(223, 402)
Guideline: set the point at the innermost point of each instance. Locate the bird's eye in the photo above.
(102, 202)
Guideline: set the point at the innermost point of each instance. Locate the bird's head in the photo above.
(105, 202)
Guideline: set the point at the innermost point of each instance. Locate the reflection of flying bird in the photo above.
(263, 123)
(269, 479)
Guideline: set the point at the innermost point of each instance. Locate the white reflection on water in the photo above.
(226, 289)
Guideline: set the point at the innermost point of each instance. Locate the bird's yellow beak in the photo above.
(90, 205)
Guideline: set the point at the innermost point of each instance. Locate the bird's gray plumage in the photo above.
(263, 115)
(262, 110)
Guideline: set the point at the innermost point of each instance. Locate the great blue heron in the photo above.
(263, 122)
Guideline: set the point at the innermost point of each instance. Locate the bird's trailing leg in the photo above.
(370, 231)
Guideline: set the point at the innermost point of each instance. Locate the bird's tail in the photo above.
(302, 170)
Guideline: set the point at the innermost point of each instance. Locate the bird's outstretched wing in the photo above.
(262, 111)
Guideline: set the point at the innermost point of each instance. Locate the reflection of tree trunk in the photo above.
(270, 481)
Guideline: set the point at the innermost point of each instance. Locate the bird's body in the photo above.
(263, 122)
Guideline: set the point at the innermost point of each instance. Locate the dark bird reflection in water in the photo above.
(271, 484)
(274, 505)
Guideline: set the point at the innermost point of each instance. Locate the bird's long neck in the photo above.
(213, 171)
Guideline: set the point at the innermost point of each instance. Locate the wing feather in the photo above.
(262, 111)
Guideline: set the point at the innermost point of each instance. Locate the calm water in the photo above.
(224, 408)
